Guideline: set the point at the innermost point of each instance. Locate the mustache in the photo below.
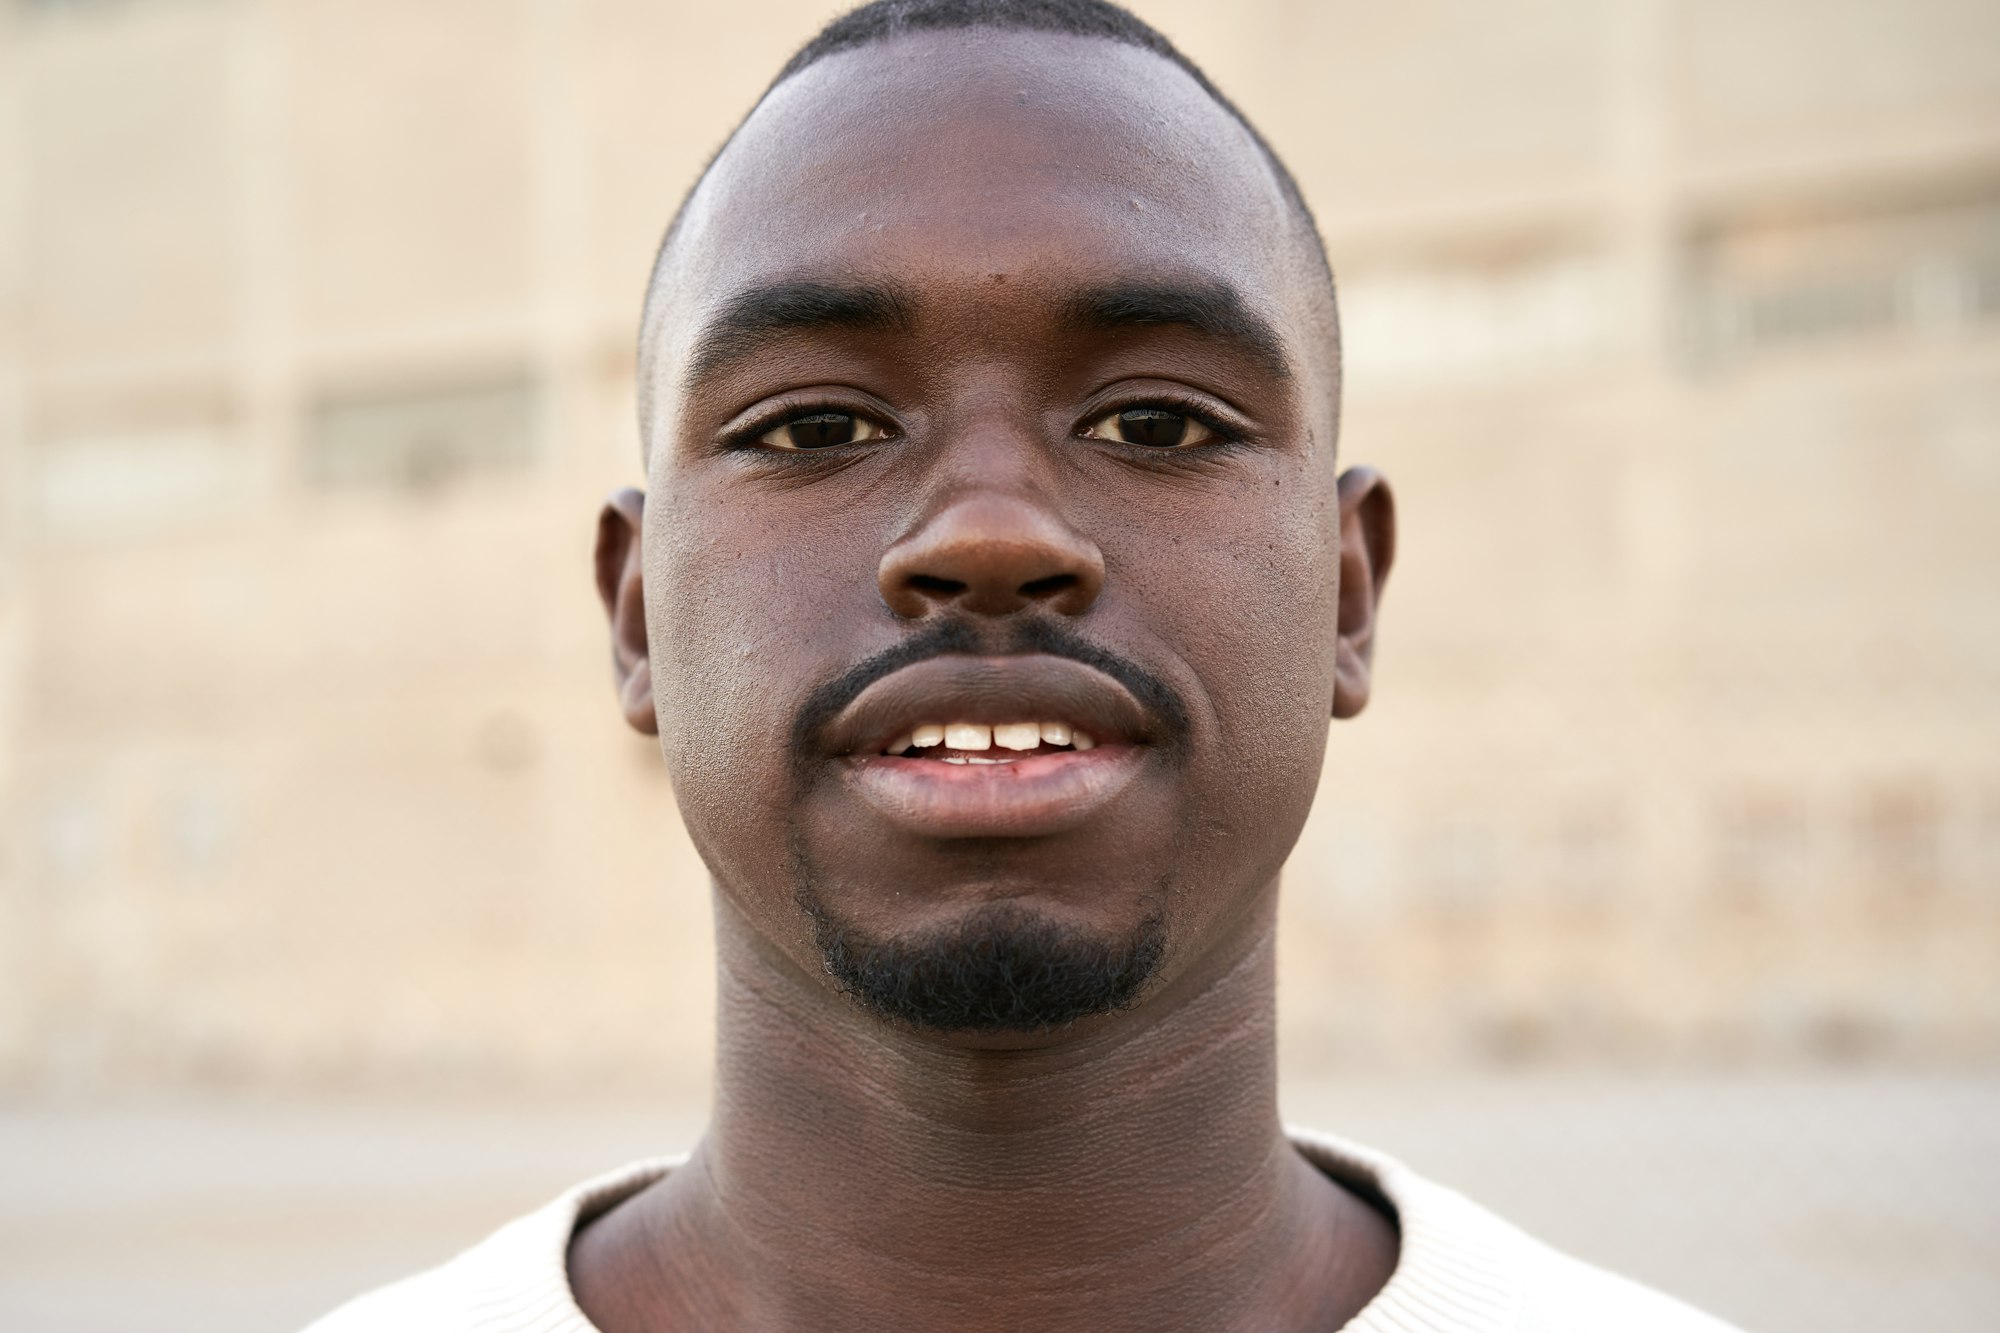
(957, 637)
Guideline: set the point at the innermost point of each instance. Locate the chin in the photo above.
(1016, 967)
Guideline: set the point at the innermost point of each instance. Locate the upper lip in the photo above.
(993, 690)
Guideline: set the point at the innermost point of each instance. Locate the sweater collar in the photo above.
(1452, 1272)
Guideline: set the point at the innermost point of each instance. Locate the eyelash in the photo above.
(745, 438)
(1189, 407)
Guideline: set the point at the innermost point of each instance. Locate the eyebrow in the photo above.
(754, 319)
(1210, 307)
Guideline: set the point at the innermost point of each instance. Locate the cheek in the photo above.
(1280, 598)
(1243, 582)
(1251, 606)
(741, 616)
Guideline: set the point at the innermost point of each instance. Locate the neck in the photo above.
(1128, 1174)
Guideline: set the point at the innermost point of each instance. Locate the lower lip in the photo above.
(1028, 798)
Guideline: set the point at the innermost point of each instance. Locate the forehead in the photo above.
(941, 160)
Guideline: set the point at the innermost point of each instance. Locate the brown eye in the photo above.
(821, 430)
(1152, 427)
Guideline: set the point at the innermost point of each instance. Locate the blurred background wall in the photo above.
(1676, 322)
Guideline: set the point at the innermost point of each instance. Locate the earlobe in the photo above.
(1367, 549)
(621, 587)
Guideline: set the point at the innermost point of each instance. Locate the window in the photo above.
(421, 440)
(1807, 277)
(1473, 318)
(142, 480)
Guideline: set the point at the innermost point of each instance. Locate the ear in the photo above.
(621, 586)
(1367, 548)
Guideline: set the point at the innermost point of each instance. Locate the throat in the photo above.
(1134, 1176)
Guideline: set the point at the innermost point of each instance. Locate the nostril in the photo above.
(935, 586)
(1048, 587)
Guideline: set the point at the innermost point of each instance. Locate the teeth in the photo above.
(1017, 735)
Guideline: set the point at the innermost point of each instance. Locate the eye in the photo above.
(821, 430)
(1152, 427)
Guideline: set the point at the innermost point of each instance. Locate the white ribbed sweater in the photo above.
(1459, 1269)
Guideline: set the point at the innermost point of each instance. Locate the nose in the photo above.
(992, 554)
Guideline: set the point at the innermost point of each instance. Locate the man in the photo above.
(991, 594)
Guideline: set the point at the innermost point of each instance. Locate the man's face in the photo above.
(991, 388)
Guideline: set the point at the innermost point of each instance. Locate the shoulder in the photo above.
(1461, 1267)
(435, 1302)
(515, 1279)
(1566, 1295)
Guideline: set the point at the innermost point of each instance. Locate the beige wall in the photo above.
(1676, 321)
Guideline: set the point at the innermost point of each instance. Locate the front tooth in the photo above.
(1055, 733)
(897, 746)
(1082, 742)
(968, 736)
(927, 735)
(1017, 735)
(956, 759)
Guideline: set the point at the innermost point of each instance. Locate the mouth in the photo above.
(1021, 746)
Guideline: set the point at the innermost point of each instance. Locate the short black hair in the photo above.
(885, 20)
